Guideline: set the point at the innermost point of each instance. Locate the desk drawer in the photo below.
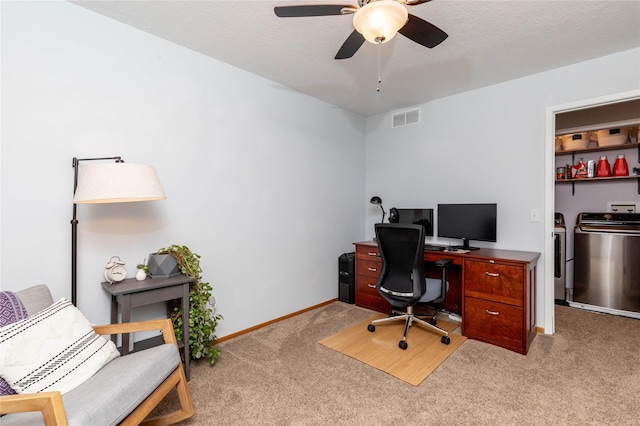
(368, 297)
(365, 251)
(493, 322)
(498, 282)
(368, 268)
(434, 256)
(367, 285)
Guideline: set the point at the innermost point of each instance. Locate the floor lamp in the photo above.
(115, 182)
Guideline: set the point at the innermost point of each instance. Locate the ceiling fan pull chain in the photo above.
(379, 78)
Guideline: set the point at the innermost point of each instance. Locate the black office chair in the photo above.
(402, 281)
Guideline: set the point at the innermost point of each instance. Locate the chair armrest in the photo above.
(48, 403)
(164, 325)
(441, 263)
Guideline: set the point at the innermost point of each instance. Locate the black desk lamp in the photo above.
(378, 202)
(114, 182)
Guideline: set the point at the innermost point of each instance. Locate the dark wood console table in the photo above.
(493, 290)
(130, 293)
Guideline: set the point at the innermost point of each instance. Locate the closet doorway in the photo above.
(618, 107)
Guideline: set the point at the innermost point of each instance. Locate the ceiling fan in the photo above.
(376, 21)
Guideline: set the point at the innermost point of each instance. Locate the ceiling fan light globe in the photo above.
(379, 21)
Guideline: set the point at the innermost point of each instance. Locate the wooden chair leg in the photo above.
(176, 380)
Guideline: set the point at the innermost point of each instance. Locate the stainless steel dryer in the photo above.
(607, 263)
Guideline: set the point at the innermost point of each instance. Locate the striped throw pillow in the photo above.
(54, 349)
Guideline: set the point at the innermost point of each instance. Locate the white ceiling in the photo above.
(489, 42)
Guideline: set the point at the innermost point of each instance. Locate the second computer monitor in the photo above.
(468, 222)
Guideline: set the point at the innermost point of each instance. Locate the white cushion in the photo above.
(54, 349)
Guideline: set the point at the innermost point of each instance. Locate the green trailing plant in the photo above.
(202, 321)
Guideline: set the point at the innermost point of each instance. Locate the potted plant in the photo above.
(202, 320)
(142, 272)
(162, 265)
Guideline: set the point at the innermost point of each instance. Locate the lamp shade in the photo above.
(379, 21)
(117, 183)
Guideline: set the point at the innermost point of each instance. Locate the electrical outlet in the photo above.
(534, 215)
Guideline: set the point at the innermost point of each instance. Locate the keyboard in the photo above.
(433, 248)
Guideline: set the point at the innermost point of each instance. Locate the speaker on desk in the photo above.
(346, 277)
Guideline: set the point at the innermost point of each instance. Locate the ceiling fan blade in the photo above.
(313, 10)
(423, 32)
(350, 45)
(416, 2)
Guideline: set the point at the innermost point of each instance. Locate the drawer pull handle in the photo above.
(492, 274)
(373, 269)
(494, 313)
(372, 286)
(372, 253)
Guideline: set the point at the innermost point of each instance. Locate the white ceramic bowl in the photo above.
(607, 139)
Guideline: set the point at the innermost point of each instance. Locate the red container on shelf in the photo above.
(620, 167)
(604, 169)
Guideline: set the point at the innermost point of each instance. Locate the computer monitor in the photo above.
(468, 222)
(422, 217)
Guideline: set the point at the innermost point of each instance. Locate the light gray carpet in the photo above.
(588, 373)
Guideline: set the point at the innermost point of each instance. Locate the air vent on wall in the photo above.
(405, 118)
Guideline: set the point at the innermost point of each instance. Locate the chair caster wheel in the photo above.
(402, 345)
(433, 321)
(446, 340)
(371, 328)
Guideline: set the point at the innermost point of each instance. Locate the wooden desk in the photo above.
(494, 291)
(130, 293)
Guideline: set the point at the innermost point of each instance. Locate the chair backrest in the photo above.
(402, 280)
(35, 298)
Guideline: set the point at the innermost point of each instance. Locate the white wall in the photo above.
(488, 145)
(266, 184)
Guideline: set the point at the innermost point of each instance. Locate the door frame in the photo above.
(549, 193)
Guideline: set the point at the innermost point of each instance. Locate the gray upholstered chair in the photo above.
(124, 391)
